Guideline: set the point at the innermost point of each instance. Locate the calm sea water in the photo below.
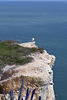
(47, 23)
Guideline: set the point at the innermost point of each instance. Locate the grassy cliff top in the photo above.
(11, 53)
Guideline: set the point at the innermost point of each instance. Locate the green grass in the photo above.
(11, 53)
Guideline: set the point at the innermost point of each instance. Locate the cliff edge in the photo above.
(37, 73)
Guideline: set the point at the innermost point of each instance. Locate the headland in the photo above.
(36, 73)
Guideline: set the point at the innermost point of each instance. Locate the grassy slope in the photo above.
(11, 53)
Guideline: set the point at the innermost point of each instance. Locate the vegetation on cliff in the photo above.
(11, 53)
(29, 94)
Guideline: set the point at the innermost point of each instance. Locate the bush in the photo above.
(20, 93)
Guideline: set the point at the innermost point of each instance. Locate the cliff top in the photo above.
(11, 52)
(37, 73)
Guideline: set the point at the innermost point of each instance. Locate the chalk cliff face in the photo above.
(37, 74)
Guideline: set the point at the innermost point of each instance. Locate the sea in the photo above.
(46, 22)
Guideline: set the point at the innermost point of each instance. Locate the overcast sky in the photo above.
(33, 0)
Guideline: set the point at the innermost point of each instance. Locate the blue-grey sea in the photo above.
(47, 23)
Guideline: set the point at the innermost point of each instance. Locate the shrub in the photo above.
(20, 93)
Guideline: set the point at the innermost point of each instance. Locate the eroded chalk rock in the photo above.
(37, 74)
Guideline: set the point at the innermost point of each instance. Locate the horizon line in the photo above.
(34, 0)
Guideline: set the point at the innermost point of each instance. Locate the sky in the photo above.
(33, 0)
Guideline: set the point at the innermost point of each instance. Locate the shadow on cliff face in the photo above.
(8, 74)
(1, 89)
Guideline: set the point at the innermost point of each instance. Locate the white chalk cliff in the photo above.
(37, 74)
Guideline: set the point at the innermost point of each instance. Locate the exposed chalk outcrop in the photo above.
(28, 44)
(37, 74)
